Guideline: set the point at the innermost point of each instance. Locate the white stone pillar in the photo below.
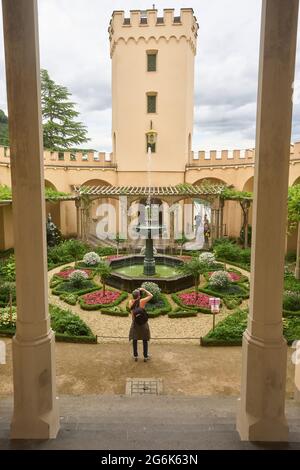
(35, 403)
(261, 415)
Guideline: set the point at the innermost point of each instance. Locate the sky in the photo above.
(74, 48)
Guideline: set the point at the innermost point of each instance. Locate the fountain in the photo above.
(129, 272)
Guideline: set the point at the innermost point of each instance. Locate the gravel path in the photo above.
(163, 328)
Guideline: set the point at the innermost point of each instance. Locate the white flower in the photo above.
(5, 316)
(78, 276)
(208, 258)
(220, 279)
(91, 259)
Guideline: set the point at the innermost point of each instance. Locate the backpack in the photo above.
(140, 315)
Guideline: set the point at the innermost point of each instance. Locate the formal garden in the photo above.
(80, 295)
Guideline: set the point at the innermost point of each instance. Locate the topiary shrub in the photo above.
(153, 289)
(77, 278)
(91, 259)
(219, 280)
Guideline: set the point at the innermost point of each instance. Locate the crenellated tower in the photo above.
(152, 88)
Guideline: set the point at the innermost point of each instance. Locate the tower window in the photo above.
(151, 103)
(151, 61)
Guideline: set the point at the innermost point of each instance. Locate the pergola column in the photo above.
(261, 415)
(35, 404)
(78, 217)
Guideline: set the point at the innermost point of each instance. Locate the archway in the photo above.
(53, 208)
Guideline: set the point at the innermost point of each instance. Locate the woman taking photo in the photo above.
(139, 329)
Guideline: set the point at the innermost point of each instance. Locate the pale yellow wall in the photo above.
(173, 82)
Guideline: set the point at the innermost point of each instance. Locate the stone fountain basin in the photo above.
(167, 284)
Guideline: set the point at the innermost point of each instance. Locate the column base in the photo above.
(36, 414)
(297, 273)
(261, 415)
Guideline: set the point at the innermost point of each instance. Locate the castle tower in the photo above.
(152, 91)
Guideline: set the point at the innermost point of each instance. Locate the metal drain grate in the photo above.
(143, 386)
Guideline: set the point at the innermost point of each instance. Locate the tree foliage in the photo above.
(294, 206)
(4, 140)
(60, 127)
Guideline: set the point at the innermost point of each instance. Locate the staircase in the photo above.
(147, 422)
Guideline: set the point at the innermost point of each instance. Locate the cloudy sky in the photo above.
(74, 47)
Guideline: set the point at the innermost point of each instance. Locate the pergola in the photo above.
(261, 413)
(215, 194)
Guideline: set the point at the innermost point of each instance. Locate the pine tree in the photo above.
(60, 128)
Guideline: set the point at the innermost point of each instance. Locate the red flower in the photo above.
(66, 273)
(197, 300)
(97, 297)
(112, 257)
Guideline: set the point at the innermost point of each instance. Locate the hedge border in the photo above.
(59, 337)
(79, 292)
(114, 313)
(206, 342)
(291, 313)
(246, 267)
(221, 295)
(61, 297)
(182, 314)
(160, 311)
(57, 277)
(85, 306)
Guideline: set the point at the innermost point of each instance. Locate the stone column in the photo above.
(261, 415)
(78, 217)
(35, 404)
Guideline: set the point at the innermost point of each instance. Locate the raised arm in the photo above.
(146, 299)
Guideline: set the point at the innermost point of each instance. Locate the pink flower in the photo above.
(199, 300)
(66, 273)
(97, 297)
(235, 277)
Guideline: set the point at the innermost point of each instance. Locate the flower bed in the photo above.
(97, 299)
(66, 287)
(160, 306)
(65, 273)
(235, 276)
(67, 326)
(191, 300)
(229, 332)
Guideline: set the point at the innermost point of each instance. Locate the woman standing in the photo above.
(139, 329)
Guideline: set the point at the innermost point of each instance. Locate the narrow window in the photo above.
(151, 103)
(151, 61)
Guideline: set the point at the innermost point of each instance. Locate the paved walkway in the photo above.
(109, 328)
(186, 369)
(120, 422)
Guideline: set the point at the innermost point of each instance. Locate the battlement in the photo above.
(147, 24)
(69, 159)
(211, 158)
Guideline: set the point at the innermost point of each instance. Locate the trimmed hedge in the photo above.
(244, 294)
(115, 313)
(182, 314)
(237, 264)
(229, 332)
(161, 307)
(70, 299)
(90, 287)
(64, 338)
(120, 299)
(290, 313)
